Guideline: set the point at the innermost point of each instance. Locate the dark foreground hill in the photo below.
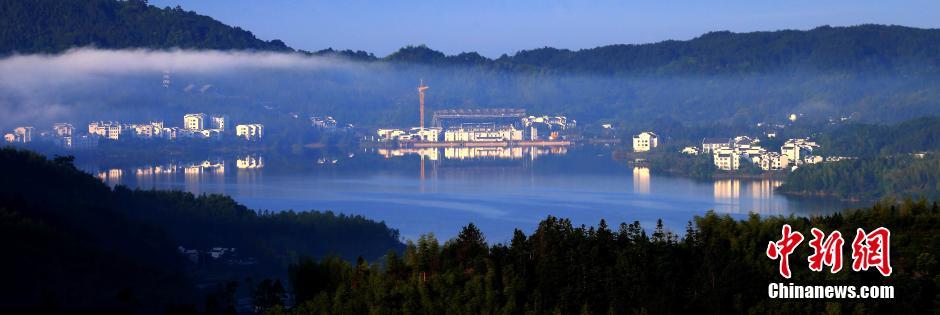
(50, 26)
(71, 242)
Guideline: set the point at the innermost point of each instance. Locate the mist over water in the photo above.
(81, 85)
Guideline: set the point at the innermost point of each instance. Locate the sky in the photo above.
(493, 28)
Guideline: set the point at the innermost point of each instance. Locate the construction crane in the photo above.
(421, 89)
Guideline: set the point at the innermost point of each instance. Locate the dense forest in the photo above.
(869, 178)
(80, 245)
(51, 26)
(870, 140)
(887, 161)
(717, 266)
(75, 243)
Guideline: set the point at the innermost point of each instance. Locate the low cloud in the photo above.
(30, 71)
(40, 87)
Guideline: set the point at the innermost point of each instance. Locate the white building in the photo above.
(727, 159)
(62, 129)
(709, 144)
(690, 151)
(745, 140)
(23, 134)
(249, 131)
(194, 121)
(799, 151)
(772, 161)
(645, 141)
(219, 122)
(482, 133)
(110, 129)
(390, 134)
(426, 134)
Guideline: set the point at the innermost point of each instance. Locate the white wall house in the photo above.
(645, 141)
(249, 131)
(709, 144)
(726, 159)
(194, 121)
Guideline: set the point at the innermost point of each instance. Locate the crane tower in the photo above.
(421, 89)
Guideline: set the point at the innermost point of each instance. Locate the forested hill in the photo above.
(864, 48)
(50, 26)
(70, 241)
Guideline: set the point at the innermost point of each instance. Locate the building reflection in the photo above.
(641, 180)
(727, 189)
(111, 176)
(249, 162)
(749, 195)
(475, 153)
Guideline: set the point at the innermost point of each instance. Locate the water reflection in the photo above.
(194, 174)
(475, 153)
(249, 162)
(749, 195)
(641, 180)
(421, 190)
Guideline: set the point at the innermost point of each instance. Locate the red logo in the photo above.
(872, 250)
(826, 251)
(783, 248)
(868, 250)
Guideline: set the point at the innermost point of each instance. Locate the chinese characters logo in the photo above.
(868, 250)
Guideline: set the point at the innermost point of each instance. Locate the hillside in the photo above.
(50, 26)
(863, 48)
(71, 241)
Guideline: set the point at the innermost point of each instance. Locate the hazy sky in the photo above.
(497, 27)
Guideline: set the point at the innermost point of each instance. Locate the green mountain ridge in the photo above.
(53, 26)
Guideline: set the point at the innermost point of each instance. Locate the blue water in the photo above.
(497, 194)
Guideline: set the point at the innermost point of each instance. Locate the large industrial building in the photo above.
(499, 117)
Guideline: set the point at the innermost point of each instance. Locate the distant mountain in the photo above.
(875, 73)
(50, 26)
(864, 48)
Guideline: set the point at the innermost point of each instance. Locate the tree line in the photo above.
(717, 265)
(74, 243)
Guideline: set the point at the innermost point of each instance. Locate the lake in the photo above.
(438, 191)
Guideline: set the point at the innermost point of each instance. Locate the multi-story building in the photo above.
(250, 131)
(727, 159)
(426, 134)
(219, 122)
(486, 132)
(110, 129)
(23, 134)
(62, 129)
(709, 144)
(645, 141)
(194, 121)
(772, 161)
(146, 131)
(798, 150)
